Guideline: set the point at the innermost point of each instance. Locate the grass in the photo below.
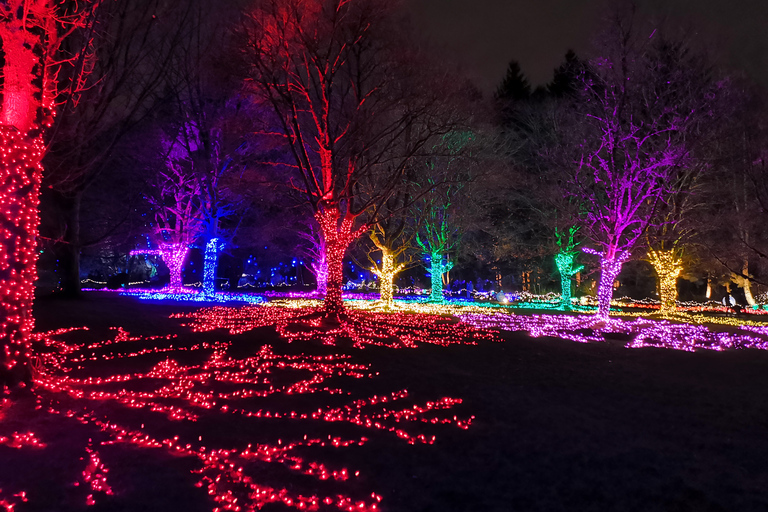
(557, 425)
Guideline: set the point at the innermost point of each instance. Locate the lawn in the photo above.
(468, 420)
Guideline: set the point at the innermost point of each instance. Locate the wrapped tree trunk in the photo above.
(436, 269)
(320, 269)
(564, 262)
(610, 267)
(337, 235)
(668, 266)
(210, 262)
(174, 257)
(20, 177)
(386, 275)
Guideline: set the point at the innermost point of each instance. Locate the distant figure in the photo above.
(729, 301)
(470, 288)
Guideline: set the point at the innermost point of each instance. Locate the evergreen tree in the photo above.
(514, 87)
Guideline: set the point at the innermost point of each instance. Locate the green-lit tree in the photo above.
(564, 260)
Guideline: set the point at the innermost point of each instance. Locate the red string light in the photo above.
(20, 176)
(218, 383)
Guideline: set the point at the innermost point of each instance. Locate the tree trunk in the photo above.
(20, 176)
(70, 249)
(174, 257)
(564, 263)
(387, 279)
(337, 236)
(565, 291)
(747, 286)
(320, 269)
(609, 270)
(210, 263)
(668, 266)
(436, 270)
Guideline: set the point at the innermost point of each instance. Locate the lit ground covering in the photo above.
(258, 407)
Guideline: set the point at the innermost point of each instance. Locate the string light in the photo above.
(436, 269)
(173, 255)
(191, 295)
(394, 330)
(95, 475)
(20, 176)
(212, 249)
(213, 383)
(668, 266)
(386, 273)
(642, 331)
(610, 267)
(337, 236)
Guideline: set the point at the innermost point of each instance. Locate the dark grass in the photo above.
(559, 426)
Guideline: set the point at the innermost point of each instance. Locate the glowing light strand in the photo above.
(668, 266)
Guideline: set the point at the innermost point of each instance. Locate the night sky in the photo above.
(484, 35)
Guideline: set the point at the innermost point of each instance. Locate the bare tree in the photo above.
(339, 76)
(632, 128)
(137, 44)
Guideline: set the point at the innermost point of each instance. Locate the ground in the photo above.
(528, 424)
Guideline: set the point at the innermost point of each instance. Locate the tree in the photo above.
(631, 132)
(32, 33)
(339, 77)
(445, 209)
(134, 43)
(564, 260)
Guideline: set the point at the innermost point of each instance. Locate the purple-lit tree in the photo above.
(202, 142)
(134, 42)
(632, 129)
(315, 251)
(339, 77)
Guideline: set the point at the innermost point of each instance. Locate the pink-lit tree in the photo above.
(339, 77)
(632, 132)
(315, 252)
(32, 33)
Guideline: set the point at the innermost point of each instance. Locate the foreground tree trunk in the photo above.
(668, 266)
(20, 177)
(338, 234)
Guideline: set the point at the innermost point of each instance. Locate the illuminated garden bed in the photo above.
(271, 407)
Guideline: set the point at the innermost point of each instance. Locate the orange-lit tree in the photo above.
(344, 86)
(32, 32)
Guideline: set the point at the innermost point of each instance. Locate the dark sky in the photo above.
(484, 35)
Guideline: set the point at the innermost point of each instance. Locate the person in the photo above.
(470, 289)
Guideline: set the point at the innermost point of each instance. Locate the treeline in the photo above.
(327, 132)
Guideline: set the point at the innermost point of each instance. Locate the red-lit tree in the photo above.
(32, 32)
(343, 84)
